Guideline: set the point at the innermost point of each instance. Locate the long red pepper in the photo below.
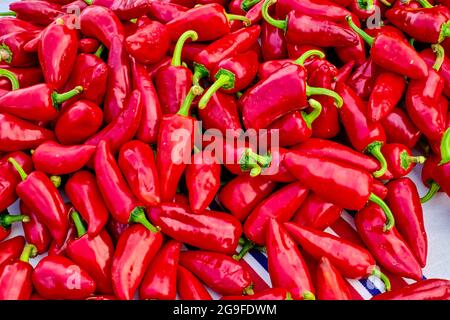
(35, 11)
(273, 43)
(10, 249)
(330, 285)
(13, 24)
(127, 10)
(83, 192)
(12, 49)
(6, 220)
(165, 12)
(312, 8)
(430, 58)
(400, 129)
(160, 280)
(428, 289)
(35, 231)
(189, 287)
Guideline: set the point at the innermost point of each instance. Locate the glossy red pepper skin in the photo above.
(428, 289)
(83, 192)
(429, 57)
(292, 128)
(165, 12)
(355, 53)
(39, 12)
(53, 279)
(10, 250)
(134, 251)
(399, 159)
(387, 91)
(273, 43)
(88, 45)
(27, 77)
(313, 8)
(10, 178)
(151, 114)
(220, 272)
(78, 122)
(35, 231)
(12, 49)
(363, 79)
(404, 201)
(268, 294)
(124, 127)
(55, 159)
(210, 230)
(330, 284)
(160, 281)
(57, 50)
(388, 247)
(126, 9)
(316, 213)
(379, 189)
(280, 206)
(137, 164)
(268, 67)
(13, 24)
(202, 181)
(60, 250)
(102, 24)
(17, 134)
(189, 287)
(287, 268)
(400, 129)
(115, 229)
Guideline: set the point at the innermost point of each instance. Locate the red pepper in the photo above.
(399, 159)
(388, 247)
(430, 58)
(151, 115)
(33, 11)
(10, 250)
(316, 213)
(12, 50)
(78, 122)
(135, 250)
(220, 272)
(124, 127)
(266, 69)
(102, 24)
(93, 254)
(137, 164)
(211, 15)
(387, 91)
(115, 229)
(165, 12)
(422, 100)
(344, 72)
(379, 189)
(273, 43)
(13, 24)
(321, 8)
(126, 9)
(26, 77)
(9, 177)
(404, 201)
(280, 206)
(362, 81)
(15, 277)
(55, 159)
(363, 9)
(393, 55)
(35, 231)
(189, 51)
(287, 268)
(209, 230)
(428, 289)
(57, 277)
(385, 28)
(232, 75)
(355, 53)
(160, 281)
(88, 45)
(58, 47)
(83, 192)
(189, 287)
(325, 177)
(6, 220)
(400, 129)
(268, 294)
(330, 284)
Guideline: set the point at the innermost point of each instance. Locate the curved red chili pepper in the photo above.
(165, 12)
(35, 231)
(330, 285)
(287, 268)
(430, 58)
(93, 254)
(322, 8)
(12, 49)
(88, 45)
(388, 247)
(400, 129)
(26, 77)
(39, 12)
(83, 192)
(160, 280)
(137, 164)
(129, 9)
(10, 250)
(399, 159)
(273, 42)
(134, 251)
(220, 272)
(13, 24)
(6, 221)
(268, 294)
(61, 271)
(428, 289)
(189, 287)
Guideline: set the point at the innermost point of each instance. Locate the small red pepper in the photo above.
(10, 250)
(57, 277)
(12, 50)
(189, 287)
(268, 294)
(137, 164)
(330, 284)
(220, 272)
(93, 254)
(428, 289)
(35, 231)
(287, 268)
(399, 159)
(15, 277)
(134, 251)
(400, 129)
(160, 280)
(83, 192)
(6, 220)
(39, 12)
(273, 42)
(209, 230)
(55, 159)
(430, 58)
(165, 12)
(26, 77)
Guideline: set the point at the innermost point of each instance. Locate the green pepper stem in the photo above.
(186, 106)
(359, 31)
(7, 14)
(445, 31)
(7, 220)
(28, 252)
(222, 81)
(301, 60)
(386, 3)
(312, 91)
(100, 50)
(288, 296)
(11, 77)
(88, 2)
(377, 273)
(248, 4)
(308, 295)
(280, 24)
(314, 114)
(248, 291)
(434, 188)
(445, 147)
(199, 73)
(440, 56)
(248, 245)
(5, 53)
(425, 3)
(375, 149)
(59, 98)
(365, 5)
(406, 160)
(56, 180)
(411, 42)
(190, 34)
(138, 216)
(81, 229)
(19, 169)
(244, 19)
(253, 162)
(390, 221)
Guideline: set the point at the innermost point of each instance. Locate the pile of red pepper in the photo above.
(92, 92)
